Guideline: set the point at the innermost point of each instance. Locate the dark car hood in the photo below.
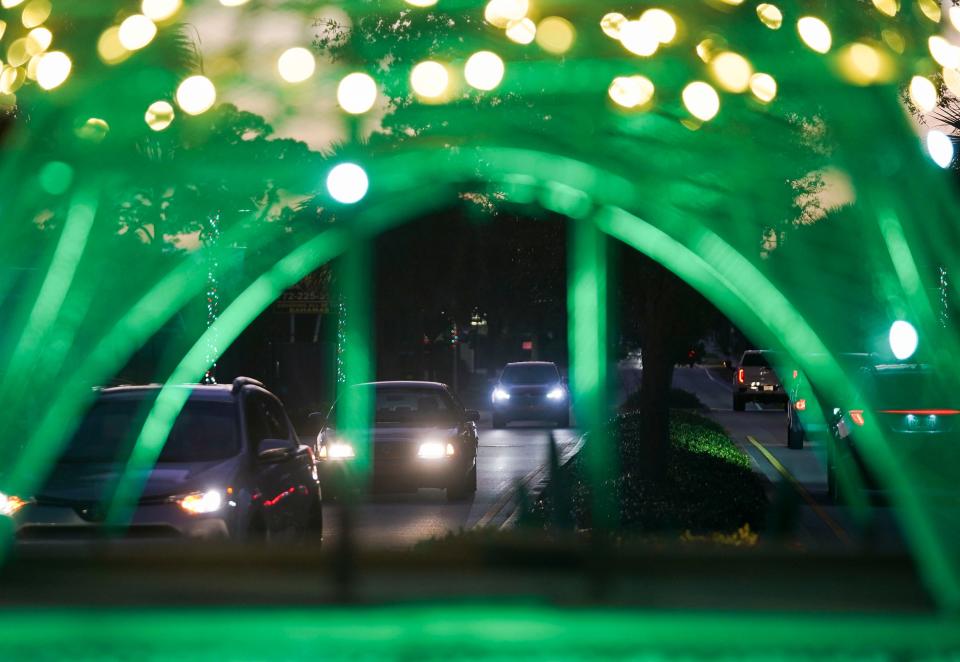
(87, 483)
(399, 433)
(528, 388)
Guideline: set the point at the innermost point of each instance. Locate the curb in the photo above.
(536, 482)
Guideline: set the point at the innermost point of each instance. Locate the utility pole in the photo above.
(455, 352)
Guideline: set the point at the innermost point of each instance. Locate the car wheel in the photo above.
(464, 487)
(738, 403)
(832, 488)
(457, 492)
(794, 438)
(314, 532)
(499, 422)
(472, 480)
(257, 531)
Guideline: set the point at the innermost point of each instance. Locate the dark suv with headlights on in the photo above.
(231, 467)
(421, 436)
(530, 391)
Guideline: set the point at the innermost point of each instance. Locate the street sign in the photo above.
(308, 297)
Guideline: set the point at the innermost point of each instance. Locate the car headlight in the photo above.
(9, 505)
(337, 450)
(199, 503)
(556, 393)
(500, 394)
(435, 450)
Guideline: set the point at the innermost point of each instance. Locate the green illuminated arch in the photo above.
(696, 197)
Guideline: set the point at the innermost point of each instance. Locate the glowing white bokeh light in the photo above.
(296, 65)
(815, 33)
(160, 10)
(429, 79)
(196, 95)
(923, 94)
(940, 148)
(903, 340)
(484, 70)
(701, 100)
(159, 115)
(631, 91)
(639, 37)
(136, 32)
(52, 69)
(347, 183)
(357, 93)
(661, 23)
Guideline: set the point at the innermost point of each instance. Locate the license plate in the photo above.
(767, 387)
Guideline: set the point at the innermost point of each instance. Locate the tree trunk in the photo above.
(657, 378)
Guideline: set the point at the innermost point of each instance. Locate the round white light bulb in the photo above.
(903, 340)
(347, 183)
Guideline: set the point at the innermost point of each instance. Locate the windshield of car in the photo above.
(412, 405)
(203, 432)
(530, 373)
(906, 389)
(754, 360)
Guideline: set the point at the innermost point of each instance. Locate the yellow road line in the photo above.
(802, 491)
(510, 492)
(504, 499)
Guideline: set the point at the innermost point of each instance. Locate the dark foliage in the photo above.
(708, 485)
(678, 399)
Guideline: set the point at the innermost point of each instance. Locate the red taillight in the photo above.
(922, 412)
(795, 374)
(740, 375)
(800, 405)
(856, 415)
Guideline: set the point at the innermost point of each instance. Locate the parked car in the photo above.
(809, 412)
(634, 359)
(530, 391)
(421, 436)
(919, 418)
(755, 380)
(231, 467)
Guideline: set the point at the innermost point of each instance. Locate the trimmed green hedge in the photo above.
(709, 486)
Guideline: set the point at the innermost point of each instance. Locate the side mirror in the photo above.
(275, 450)
(473, 415)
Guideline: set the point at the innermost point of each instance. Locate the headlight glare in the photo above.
(500, 394)
(556, 393)
(9, 505)
(199, 503)
(435, 450)
(338, 450)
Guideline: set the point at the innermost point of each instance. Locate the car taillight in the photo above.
(795, 374)
(740, 375)
(856, 415)
(800, 405)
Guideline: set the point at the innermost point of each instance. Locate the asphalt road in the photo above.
(506, 457)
